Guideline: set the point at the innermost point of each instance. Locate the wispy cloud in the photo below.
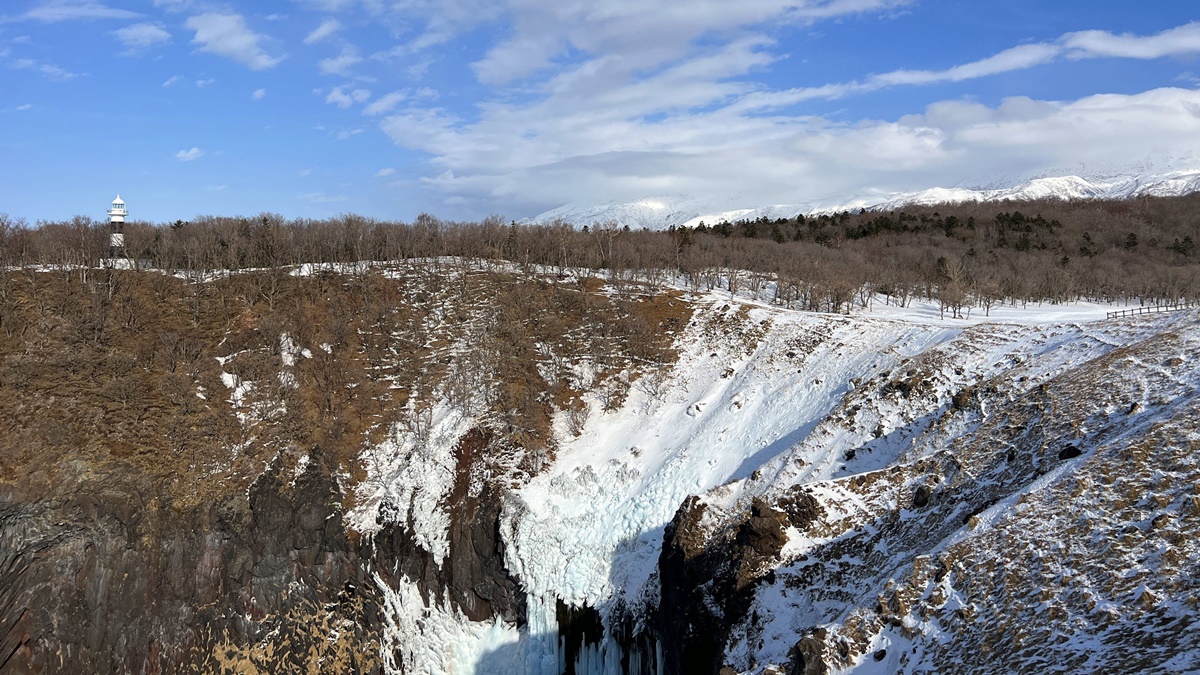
(340, 64)
(259, 94)
(54, 11)
(321, 198)
(642, 36)
(176, 5)
(385, 103)
(46, 70)
(384, 173)
(189, 155)
(1180, 41)
(640, 115)
(172, 80)
(348, 133)
(142, 36)
(331, 5)
(1177, 41)
(228, 35)
(25, 106)
(327, 28)
(202, 83)
(343, 99)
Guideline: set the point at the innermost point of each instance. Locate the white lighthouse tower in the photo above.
(116, 230)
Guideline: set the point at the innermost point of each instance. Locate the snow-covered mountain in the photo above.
(658, 213)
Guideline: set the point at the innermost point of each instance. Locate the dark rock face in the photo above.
(763, 531)
(107, 576)
(577, 626)
(473, 577)
(708, 579)
(687, 626)
(801, 507)
(807, 656)
(476, 578)
(922, 495)
(1070, 452)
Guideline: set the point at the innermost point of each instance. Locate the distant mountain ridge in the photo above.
(659, 213)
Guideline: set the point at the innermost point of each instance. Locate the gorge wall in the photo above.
(426, 469)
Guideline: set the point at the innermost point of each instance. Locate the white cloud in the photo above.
(54, 11)
(227, 35)
(1180, 41)
(46, 70)
(385, 103)
(25, 106)
(327, 28)
(597, 130)
(341, 64)
(142, 36)
(1177, 41)
(172, 80)
(204, 83)
(679, 114)
(1016, 58)
(442, 21)
(216, 188)
(339, 98)
(639, 36)
(321, 198)
(384, 173)
(328, 5)
(348, 133)
(175, 5)
(259, 94)
(782, 160)
(342, 99)
(189, 155)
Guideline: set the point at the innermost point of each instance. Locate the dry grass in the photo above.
(124, 371)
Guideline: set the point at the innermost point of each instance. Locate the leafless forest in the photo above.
(970, 255)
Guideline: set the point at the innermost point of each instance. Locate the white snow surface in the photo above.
(411, 474)
(591, 526)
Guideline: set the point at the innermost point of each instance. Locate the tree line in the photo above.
(965, 255)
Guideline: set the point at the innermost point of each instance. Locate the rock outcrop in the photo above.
(104, 574)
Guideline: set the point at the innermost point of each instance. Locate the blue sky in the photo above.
(466, 108)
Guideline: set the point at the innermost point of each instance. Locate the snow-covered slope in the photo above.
(1056, 459)
(657, 213)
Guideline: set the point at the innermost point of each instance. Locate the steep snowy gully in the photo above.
(836, 493)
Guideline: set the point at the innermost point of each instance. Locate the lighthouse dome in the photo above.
(118, 201)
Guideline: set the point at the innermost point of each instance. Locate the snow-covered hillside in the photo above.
(873, 494)
(658, 213)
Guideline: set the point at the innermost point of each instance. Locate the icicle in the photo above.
(543, 655)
